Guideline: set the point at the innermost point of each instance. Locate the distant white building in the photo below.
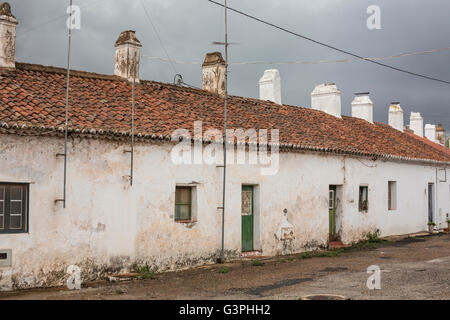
(337, 178)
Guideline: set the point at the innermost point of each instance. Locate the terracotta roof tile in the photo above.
(34, 95)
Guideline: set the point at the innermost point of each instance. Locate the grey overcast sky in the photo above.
(188, 28)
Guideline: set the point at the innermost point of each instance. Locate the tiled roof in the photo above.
(33, 98)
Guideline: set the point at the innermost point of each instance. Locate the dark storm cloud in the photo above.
(188, 28)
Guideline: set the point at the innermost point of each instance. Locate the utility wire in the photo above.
(157, 34)
(330, 46)
(405, 54)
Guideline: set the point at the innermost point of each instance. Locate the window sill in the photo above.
(185, 221)
(13, 232)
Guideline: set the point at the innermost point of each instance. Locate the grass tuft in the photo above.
(145, 272)
(257, 263)
(223, 270)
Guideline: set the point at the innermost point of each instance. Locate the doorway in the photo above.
(430, 202)
(247, 214)
(332, 212)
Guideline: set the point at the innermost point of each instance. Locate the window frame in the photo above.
(360, 204)
(25, 207)
(176, 218)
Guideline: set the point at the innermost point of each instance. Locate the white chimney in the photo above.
(396, 116)
(128, 49)
(430, 132)
(362, 107)
(8, 25)
(416, 123)
(213, 73)
(327, 98)
(270, 86)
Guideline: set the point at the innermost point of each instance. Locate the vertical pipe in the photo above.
(222, 252)
(132, 119)
(66, 124)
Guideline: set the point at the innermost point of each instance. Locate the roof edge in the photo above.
(116, 135)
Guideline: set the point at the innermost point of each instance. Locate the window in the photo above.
(13, 208)
(363, 199)
(331, 200)
(392, 195)
(183, 204)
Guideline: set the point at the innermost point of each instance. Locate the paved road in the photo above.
(412, 268)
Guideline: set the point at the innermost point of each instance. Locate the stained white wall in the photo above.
(108, 225)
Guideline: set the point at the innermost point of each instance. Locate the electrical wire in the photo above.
(157, 34)
(405, 54)
(330, 46)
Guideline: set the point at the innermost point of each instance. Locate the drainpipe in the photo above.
(436, 199)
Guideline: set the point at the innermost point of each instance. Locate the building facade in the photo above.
(336, 178)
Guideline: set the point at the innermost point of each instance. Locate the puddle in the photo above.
(280, 284)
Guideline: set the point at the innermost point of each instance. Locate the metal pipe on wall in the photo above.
(66, 122)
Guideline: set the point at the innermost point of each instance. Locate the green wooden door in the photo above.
(332, 212)
(247, 218)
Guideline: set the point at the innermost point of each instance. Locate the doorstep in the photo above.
(336, 244)
(257, 254)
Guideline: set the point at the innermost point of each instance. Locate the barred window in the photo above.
(13, 208)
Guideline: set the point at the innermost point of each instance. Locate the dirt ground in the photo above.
(411, 268)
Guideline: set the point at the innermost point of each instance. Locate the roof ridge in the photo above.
(59, 70)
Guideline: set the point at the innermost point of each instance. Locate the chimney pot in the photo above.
(396, 116)
(327, 98)
(270, 86)
(8, 25)
(213, 73)
(127, 48)
(430, 132)
(440, 133)
(362, 107)
(416, 123)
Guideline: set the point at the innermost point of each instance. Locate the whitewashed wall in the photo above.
(108, 225)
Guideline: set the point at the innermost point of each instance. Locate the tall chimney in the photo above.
(430, 132)
(270, 86)
(416, 123)
(8, 25)
(362, 107)
(213, 74)
(127, 47)
(396, 116)
(440, 134)
(327, 98)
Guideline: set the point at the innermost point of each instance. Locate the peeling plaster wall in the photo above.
(107, 225)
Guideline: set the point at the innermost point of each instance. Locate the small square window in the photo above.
(363, 199)
(183, 204)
